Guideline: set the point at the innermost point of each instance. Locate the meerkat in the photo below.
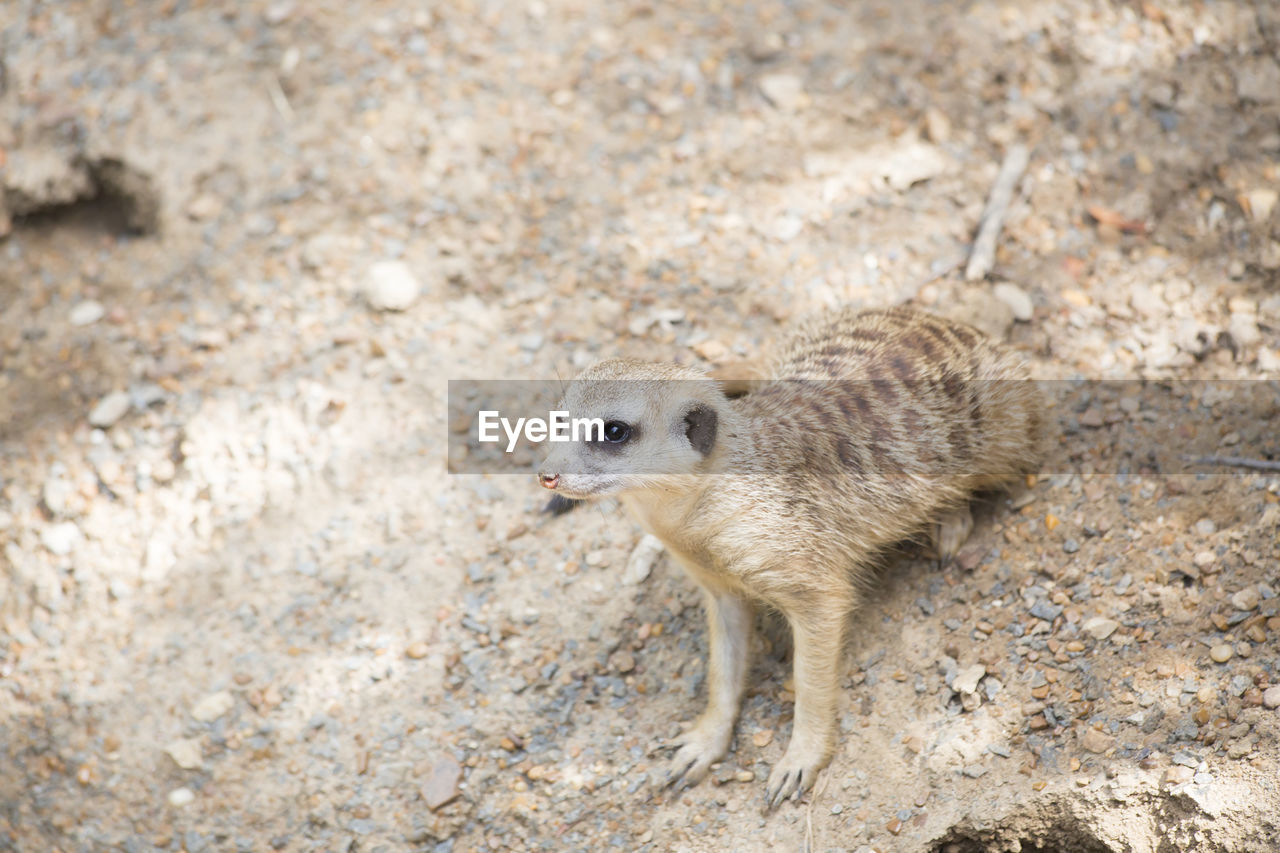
(861, 430)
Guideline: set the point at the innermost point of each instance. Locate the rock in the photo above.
(744, 776)
(1070, 546)
(1259, 203)
(1245, 599)
(441, 786)
(110, 410)
(213, 706)
(982, 309)
(624, 662)
(1204, 559)
(966, 680)
(1099, 627)
(204, 206)
(86, 313)
(1271, 697)
(185, 753)
(1205, 527)
(937, 127)
(642, 559)
(391, 286)
(1145, 301)
(784, 91)
(1177, 775)
(1096, 741)
(1268, 360)
(61, 539)
(1016, 298)
(1243, 329)
(1258, 79)
(762, 738)
(180, 797)
(416, 651)
(1221, 653)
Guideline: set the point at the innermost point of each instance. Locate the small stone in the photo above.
(1243, 329)
(416, 650)
(745, 776)
(441, 786)
(86, 313)
(784, 91)
(110, 410)
(204, 206)
(1016, 298)
(391, 286)
(937, 127)
(1070, 546)
(837, 809)
(1259, 203)
(1245, 599)
(762, 738)
(1100, 627)
(213, 706)
(1206, 527)
(185, 753)
(1204, 559)
(60, 539)
(642, 559)
(711, 350)
(1177, 775)
(1096, 741)
(1221, 653)
(180, 797)
(1271, 697)
(966, 680)
(624, 662)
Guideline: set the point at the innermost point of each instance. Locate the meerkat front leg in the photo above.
(951, 532)
(729, 624)
(818, 629)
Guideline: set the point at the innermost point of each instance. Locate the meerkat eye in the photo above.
(616, 432)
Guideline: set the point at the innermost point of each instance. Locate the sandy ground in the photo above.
(243, 606)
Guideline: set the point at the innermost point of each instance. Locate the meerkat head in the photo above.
(646, 423)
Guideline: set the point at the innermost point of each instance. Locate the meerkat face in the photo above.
(644, 424)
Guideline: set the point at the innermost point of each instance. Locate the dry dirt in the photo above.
(250, 610)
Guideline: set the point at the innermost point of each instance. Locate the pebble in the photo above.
(1204, 559)
(60, 539)
(1096, 741)
(745, 776)
(1221, 653)
(1206, 527)
(966, 680)
(642, 559)
(1260, 203)
(784, 91)
(1245, 599)
(391, 286)
(86, 313)
(441, 786)
(1271, 697)
(180, 797)
(1100, 627)
(1243, 329)
(624, 662)
(213, 706)
(762, 738)
(185, 752)
(1016, 298)
(1070, 546)
(416, 650)
(110, 410)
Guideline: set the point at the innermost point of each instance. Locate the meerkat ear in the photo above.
(700, 427)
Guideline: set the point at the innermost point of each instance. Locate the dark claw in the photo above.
(675, 781)
(559, 505)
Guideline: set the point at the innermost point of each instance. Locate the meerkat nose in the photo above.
(549, 481)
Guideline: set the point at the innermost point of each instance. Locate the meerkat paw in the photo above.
(951, 533)
(794, 774)
(696, 750)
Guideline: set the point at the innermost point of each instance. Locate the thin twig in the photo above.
(279, 99)
(1235, 462)
(983, 256)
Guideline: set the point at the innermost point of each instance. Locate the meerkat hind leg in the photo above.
(818, 628)
(951, 532)
(729, 625)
